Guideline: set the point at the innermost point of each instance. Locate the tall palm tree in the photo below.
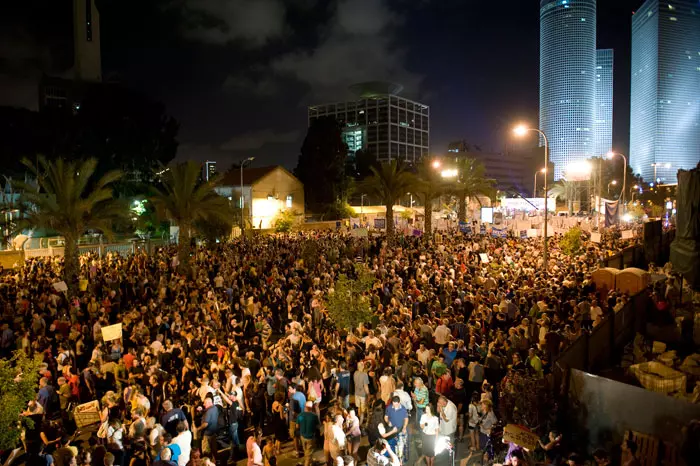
(388, 182)
(428, 187)
(471, 182)
(185, 199)
(69, 200)
(566, 191)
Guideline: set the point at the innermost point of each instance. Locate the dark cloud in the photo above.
(258, 139)
(251, 23)
(359, 42)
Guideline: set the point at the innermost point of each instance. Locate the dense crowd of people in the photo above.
(240, 357)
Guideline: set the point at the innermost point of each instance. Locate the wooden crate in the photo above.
(647, 447)
(87, 414)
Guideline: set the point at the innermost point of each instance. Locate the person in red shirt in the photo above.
(129, 359)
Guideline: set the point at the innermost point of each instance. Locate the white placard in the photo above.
(595, 237)
(627, 234)
(533, 233)
(484, 258)
(112, 332)
(60, 286)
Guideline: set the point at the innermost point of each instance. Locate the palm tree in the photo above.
(471, 182)
(70, 200)
(429, 186)
(566, 191)
(185, 199)
(388, 182)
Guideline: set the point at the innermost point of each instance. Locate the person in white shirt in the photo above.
(404, 397)
(430, 425)
(442, 333)
(337, 444)
(184, 441)
(448, 417)
(423, 355)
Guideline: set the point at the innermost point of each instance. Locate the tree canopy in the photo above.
(321, 166)
(349, 305)
(70, 199)
(18, 386)
(184, 198)
(388, 183)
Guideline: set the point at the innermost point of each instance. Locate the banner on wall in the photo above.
(612, 213)
(380, 223)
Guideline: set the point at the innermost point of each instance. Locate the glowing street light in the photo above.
(614, 183)
(520, 131)
(449, 173)
(436, 164)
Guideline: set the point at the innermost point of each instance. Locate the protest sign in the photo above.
(359, 232)
(379, 223)
(112, 332)
(484, 258)
(60, 286)
(627, 234)
(595, 237)
(520, 436)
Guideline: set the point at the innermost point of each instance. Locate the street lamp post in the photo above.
(612, 154)
(362, 208)
(521, 131)
(613, 182)
(242, 203)
(534, 190)
(634, 191)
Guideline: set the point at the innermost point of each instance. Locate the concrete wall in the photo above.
(604, 409)
(10, 259)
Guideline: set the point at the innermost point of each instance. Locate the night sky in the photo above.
(238, 74)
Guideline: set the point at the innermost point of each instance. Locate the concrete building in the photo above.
(603, 101)
(665, 100)
(267, 191)
(386, 125)
(567, 84)
(208, 170)
(60, 93)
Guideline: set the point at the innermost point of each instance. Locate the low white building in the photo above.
(267, 191)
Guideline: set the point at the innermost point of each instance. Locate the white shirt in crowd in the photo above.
(449, 426)
(338, 435)
(184, 441)
(430, 424)
(442, 334)
(405, 399)
(595, 312)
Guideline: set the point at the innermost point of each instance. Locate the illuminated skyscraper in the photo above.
(665, 100)
(567, 79)
(603, 101)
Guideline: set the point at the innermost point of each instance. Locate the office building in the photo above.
(603, 101)
(381, 122)
(665, 100)
(567, 79)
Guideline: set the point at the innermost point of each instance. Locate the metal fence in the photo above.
(599, 349)
(123, 249)
(641, 254)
